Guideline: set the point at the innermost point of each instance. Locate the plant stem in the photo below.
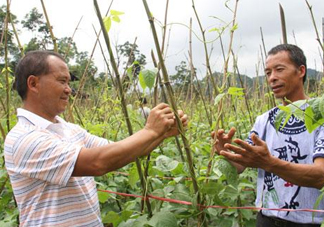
(123, 103)
(49, 27)
(173, 104)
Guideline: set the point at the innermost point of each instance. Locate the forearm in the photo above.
(100, 160)
(307, 175)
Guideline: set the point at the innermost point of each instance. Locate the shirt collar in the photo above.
(35, 119)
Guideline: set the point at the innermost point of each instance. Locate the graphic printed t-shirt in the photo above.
(292, 143)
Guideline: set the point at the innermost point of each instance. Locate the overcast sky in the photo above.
(252, 15)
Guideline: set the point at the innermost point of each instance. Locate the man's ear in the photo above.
(32, 82)
(302, 70)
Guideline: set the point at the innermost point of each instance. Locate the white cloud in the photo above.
(252, 14)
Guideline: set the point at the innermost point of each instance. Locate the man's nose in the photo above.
(68, 89)
(272, 77)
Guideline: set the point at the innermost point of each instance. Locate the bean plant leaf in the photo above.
(309, 118)
(116, 13)
(162, 219)
(318, 201)
(235, 91)
(321, 105)
(166, 164)
(129, 72)
(103, 196)
(142, 80)
(235, 27)
(115, 18)
(218, 98)
(107, 23)
(133, 177)
(228, 170)
(112, 217)
(149, 77)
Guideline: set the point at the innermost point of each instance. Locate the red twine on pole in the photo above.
(213, 206)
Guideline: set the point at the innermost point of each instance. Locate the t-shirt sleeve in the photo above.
(45, 157)
(91, 140)
(256, 129)
(319, 143)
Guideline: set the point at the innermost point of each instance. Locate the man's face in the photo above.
(54, 89)
(285, 80)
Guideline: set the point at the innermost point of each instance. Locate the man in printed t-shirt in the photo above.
(290, 162)
(51, 162)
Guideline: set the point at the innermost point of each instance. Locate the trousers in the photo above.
(265, 221)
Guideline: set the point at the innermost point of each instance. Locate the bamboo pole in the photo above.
(173, 105)
(49, 27)
(209, 71)
(123, 102)
(283, 24)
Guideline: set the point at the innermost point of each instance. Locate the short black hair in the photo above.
(296, 55)
(33, 63)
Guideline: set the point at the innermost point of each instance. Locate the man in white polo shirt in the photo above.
(51, 162)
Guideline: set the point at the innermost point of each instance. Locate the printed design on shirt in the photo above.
(290, 153)
(292, 203)
(271, 193)
(293, 126)
(294, 150)
(319, 146)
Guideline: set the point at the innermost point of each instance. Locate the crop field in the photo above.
(183, 182)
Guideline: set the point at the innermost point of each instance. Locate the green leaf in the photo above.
(149, 77)
(107, 23)
(235, 27)
(321, 105)
(309, 118)
(133, 176)
(163, 219)
(318, 201)
(166, 164)
(115, 18)
(116, 13)
(235, 91)
(218, 98)
(103, 196)
(130, 72)
(112, 217)
(228, 170)
(142, 80)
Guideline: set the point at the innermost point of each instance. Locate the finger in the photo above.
(160, 106)
(169, 115)
(236, 149)
(219, 133)
(232, 156)
(243, 144)
(180, 113)
(231, 132)
(167, 110)
(184, 118)
(256, 140)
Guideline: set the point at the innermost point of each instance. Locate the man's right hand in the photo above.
(160, 119)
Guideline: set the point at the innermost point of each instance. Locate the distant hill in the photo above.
(312, 75)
